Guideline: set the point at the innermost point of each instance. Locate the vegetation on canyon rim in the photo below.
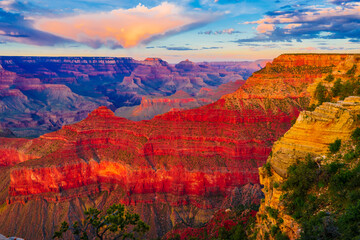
(117, 223)
(323, 196)
(340, 89)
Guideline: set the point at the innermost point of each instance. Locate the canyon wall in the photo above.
(310, 136)
(179, 166)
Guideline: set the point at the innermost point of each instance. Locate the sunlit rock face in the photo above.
(179, 166)
(311, 134)
(41, 94)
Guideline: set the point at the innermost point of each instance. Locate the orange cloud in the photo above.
(264, 28)
(122, 27)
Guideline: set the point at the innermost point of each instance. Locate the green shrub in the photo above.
(274, 230)
(115, 224)
(267, 167)
(321, 94)
(333, 167)
(329, 78)
(339, 195)
(347, 89)
(336, 89)
(311, 107)
(356, 135)
(349, 222)
(352, 70)
(321, 226)
(273, 213)
(335, 146)
(281, 236)
(350, 155)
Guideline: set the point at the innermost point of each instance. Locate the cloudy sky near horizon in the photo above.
(210, 30)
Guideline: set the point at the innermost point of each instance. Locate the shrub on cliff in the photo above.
(336, 89)
(335, 146)
(324, 198)
(321, 94)
(267, 167)
(352, 70)
(329, 78)
(356, 135)
(117, 223)
(346, 89)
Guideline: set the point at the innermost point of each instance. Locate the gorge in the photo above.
(180, 166)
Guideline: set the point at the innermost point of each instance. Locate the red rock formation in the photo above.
(152, 106)
(179, 158)
(30, 99)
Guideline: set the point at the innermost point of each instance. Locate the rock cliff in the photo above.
(310, 136)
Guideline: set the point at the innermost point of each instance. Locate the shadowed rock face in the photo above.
(41, 94)
(179, 166)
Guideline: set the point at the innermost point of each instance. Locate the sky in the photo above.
(199, 30)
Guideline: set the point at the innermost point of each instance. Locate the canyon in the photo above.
(41, 94)
(180, 166)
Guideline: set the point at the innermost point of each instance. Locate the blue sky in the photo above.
(199, 30)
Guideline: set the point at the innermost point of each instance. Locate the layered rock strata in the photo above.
(41, 94)
(311, 134)
(179, 165)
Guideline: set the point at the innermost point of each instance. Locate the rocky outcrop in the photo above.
(311, 134)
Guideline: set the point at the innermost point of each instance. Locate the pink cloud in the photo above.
(264, 28)
(122, 27)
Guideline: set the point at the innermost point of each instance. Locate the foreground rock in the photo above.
(311, 134)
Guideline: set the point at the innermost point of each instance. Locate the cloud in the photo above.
(210, 48)
(301, 22)
(309, 48)
(227, 1)
(178, 48)
(125, 27)
(343, 2)
(172, 48)
(229, 31)
(14, 27)
(16, 6)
